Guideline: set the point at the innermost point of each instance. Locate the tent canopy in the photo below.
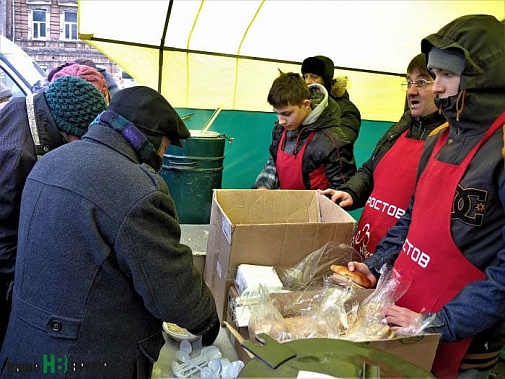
(212, 53)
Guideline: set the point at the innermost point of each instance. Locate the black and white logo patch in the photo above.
(469, 205)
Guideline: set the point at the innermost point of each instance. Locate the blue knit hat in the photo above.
(74, 103)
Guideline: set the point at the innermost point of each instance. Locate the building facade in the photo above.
(47, 31)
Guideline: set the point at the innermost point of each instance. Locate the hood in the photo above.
(318, 102)
(481, 39)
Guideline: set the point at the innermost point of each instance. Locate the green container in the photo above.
(192, 172)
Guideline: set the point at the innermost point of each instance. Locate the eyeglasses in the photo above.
(419, 83)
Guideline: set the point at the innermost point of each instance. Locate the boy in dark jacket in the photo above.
(308, 150)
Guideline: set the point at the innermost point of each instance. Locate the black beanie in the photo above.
(151, 113)
(322, 66)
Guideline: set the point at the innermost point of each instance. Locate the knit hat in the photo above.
(57, 69)
(87, 73)
(151, 113)
(5, 92)
(322, 66)
(74, 103)
(86, 62)
(450, 59)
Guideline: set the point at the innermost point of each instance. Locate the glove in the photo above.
(211, 332)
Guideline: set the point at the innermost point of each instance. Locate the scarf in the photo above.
(318, 101)
(145, 149)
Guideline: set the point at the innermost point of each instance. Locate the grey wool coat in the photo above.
(99, 265)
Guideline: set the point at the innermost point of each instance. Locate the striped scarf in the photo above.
(135, 137)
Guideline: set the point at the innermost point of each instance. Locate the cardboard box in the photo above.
(270, 228)
(419, 350)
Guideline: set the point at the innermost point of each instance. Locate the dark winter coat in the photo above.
(350, 117)
(360, 186)
(17, 158)
(100, 264)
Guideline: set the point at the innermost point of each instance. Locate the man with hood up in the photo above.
(308, 150)
(450, 242)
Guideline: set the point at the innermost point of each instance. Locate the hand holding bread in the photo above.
(356, 276)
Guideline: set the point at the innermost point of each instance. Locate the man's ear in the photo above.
(306, 103)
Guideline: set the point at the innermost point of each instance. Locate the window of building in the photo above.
(39, 24)
(70, 25)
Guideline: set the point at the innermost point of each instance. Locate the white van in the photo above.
(18, 71)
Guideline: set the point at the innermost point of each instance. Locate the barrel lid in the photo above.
(206, 134)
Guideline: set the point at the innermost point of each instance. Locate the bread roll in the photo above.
(355, 276)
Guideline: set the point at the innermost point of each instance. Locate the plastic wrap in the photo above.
(422, 322)
(313, 313)
(312, 269)
(319, 307)
(367, 320)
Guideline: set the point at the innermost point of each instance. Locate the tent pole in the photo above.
(162, 45)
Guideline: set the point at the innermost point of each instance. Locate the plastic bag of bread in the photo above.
(267, 319)
(367, 321)
(314, 267)
(314, 313)
(322, 310)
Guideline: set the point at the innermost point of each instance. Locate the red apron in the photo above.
(394, 182)
(289, 169)
(429, 256)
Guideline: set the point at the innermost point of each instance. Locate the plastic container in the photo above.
(177, 333)
(192, 172)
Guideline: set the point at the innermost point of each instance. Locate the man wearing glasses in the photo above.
(385, 183)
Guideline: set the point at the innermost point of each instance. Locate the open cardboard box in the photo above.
(269, 228)
(419, 350)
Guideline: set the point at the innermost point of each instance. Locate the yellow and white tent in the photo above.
(226, 53)
(205, 54)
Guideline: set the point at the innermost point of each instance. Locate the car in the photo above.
(18, 71)
(126, 80)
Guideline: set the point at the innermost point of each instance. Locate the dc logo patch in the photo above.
(469, 205)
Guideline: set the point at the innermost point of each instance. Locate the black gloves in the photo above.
(211, 332)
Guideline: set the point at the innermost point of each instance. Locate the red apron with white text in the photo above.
(429, 257)
(394, 182)
(290, 172)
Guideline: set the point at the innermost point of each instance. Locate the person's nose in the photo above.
(438, 87)
(282, 120)
(413, 90)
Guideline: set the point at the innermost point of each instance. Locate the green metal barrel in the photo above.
(192, 172)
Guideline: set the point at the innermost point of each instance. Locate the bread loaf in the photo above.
(355, 276)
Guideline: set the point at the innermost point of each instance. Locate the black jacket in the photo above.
(350, 118)
(360, 186)
(17, 158)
